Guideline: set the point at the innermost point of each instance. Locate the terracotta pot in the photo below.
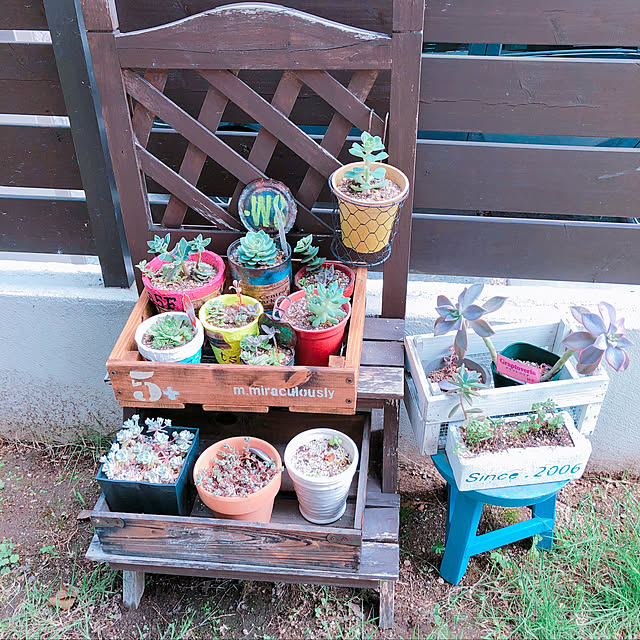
(169, 300)
(314, 346)
(366, 227)
(256, 507)
(348, 292)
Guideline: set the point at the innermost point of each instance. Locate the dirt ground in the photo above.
(45, 495)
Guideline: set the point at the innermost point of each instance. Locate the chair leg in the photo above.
(387, 590)
(390, 446)
(546, 510)
(452, 494)
(463, 528)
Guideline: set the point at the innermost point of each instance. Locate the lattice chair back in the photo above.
(132, 70)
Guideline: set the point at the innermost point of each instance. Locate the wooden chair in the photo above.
(221, 45)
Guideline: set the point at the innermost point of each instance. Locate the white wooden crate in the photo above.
(428, 407)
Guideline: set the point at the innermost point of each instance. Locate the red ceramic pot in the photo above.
(169, 300)
(348, 292)
(314, 346)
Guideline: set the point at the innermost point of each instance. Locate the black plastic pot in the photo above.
(527, 352)
(469, 365)
(146, 497)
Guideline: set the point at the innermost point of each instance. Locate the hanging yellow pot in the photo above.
(366, 226)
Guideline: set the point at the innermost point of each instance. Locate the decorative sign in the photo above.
(262, 202)
(188, 309)
(517, 370)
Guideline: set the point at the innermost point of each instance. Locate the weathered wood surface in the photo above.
(387, 590)
(403, 130)
(29, 80)
(132, 588)
(508, 177)
(362, 475)
(382, 354)
(378, 561)
(551, 22)
(536, 96)
(390, 446)
(391, 329)
(45, 226)
(256, 36)
(380, 382)
(141, 383)
(584, 251)
(232, 542)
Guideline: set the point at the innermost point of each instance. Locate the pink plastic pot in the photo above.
(348, 292)
(314, 346)
(167, 300)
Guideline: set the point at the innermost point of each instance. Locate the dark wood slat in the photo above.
(378, 561)
(274, 121)
(19, 14)
(45, 226)
(525, 178)
(542, 22)
(265, 143)
(384, 329)
(334, 138)
(194, 159)
(552, 96)
(382, 354)
(582, 251)
(134, 203)
(390, 446)
(403, 130)
(184, 190)
(38, 157)
(375, 497)
(343, 101)
(29, 80)
(363, 473)
(246, 37)
(381, 382)
(142, 119)
(191, 129)
(99, 15)
(381, 524)
(141, 14)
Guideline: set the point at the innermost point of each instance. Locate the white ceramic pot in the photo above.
(189, 352)
(321, 500)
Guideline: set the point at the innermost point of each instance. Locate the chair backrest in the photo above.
(222, 46)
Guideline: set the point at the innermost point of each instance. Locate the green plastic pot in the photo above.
(527, 352)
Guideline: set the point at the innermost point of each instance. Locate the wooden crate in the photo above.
(139, 383)
(428, 407)
(287, 541)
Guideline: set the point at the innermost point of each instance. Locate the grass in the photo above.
(588, 586)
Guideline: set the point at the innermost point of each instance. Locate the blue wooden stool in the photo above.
(464, 509)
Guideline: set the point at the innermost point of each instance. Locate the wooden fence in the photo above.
(457, 182)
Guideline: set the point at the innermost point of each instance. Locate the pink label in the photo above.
(517, 370)
(189, 310)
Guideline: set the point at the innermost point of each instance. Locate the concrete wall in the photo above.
(58, 325)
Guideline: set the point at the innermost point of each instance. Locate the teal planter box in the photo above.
(147, 497)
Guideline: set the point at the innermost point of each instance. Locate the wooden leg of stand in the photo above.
(390, 447)
(387, 588)
(132, 588)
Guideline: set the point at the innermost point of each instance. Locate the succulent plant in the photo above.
(466, 384)
(156, 456)
(262, 349)
(257, 249)
(604, 335)
(466, 314)
(309, 254)
(176, 269)
(325, 304)
(362, 176)
(170, 331)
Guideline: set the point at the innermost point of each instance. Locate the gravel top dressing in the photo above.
(321, 458)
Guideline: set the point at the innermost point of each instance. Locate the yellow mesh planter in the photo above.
(366, 226)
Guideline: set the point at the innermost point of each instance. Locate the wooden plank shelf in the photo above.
(288, 540)
(139, 383)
